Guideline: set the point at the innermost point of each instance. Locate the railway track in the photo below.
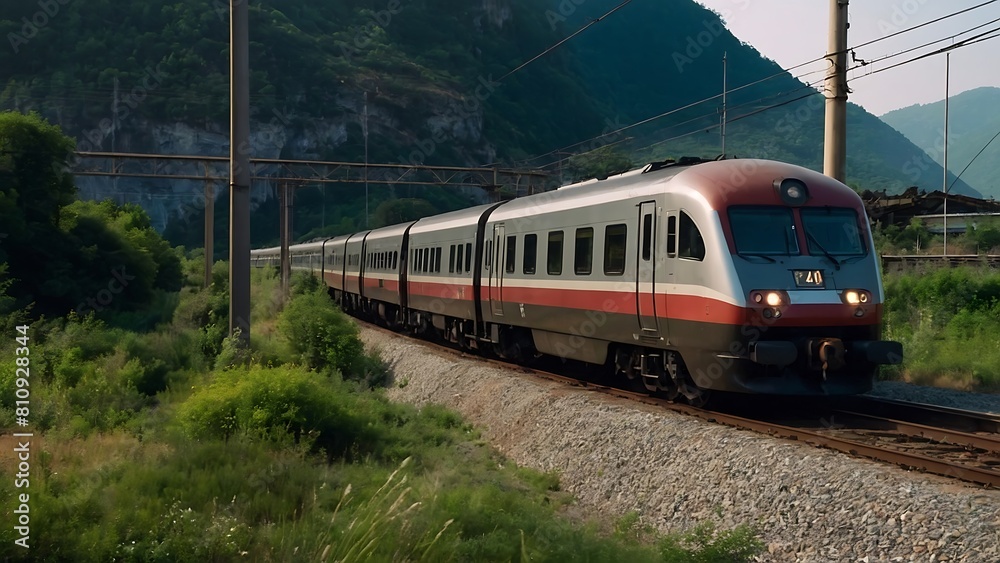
(957, 444)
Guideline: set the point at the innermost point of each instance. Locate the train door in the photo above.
(645, 281)
(496, 269)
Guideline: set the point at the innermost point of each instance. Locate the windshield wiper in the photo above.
(820, 246)
(764, 256)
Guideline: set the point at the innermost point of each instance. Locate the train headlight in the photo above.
(855, 296)
(770, 298)
(792, 191)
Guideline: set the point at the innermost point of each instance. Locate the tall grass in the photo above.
(949, 323)
(146, 453)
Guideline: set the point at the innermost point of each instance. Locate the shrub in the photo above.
(947, 320)
(319, 335)
(275, 404)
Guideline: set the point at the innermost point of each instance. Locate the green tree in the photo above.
(34, 180)
(395, 211)
(63, 254)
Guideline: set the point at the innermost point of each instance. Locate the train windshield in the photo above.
(763, 230)
(832, 230)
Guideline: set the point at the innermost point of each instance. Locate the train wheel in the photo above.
(693, 395)
(628, 364)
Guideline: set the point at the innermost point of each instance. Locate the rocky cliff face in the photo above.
(450, 120)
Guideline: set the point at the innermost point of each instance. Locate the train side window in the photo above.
(451, 259)
(583, 256)
(468, 257)
(647, 236)
(511, 254)
(690, 244)
(530, 254)
(672, 236)
(615, 240)
(554, 258)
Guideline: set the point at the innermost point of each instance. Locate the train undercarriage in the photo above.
(656, 371)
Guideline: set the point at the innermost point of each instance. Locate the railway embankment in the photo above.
(674, 471)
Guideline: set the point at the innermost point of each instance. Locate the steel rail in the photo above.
(906, 460)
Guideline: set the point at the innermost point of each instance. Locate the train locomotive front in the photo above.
(799, 299)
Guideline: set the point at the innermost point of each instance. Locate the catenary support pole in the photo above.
(947, 73)
(209, 229)
(239, 172)
(835, 138)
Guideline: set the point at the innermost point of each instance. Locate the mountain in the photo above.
(972, 123)
(674, 52)
(153, 77)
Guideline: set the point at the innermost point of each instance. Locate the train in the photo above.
(688, 277)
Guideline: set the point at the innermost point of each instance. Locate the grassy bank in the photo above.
(172, 445)
(949, 323)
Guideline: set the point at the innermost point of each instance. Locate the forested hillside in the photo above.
(972, 123)
(153, 77)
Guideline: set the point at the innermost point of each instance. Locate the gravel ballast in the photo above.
(616, 456)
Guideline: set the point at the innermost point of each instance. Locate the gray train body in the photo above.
(744, 276)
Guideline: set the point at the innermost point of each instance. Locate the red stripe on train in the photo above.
(679, 307)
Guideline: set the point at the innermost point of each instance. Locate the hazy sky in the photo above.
(791, 32)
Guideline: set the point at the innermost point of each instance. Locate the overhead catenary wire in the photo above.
(560, 42)
(918, 26)
(928, 44)
(973, 160)
(701, 117)
(733, 120)
(783, 72)
(984, 36)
